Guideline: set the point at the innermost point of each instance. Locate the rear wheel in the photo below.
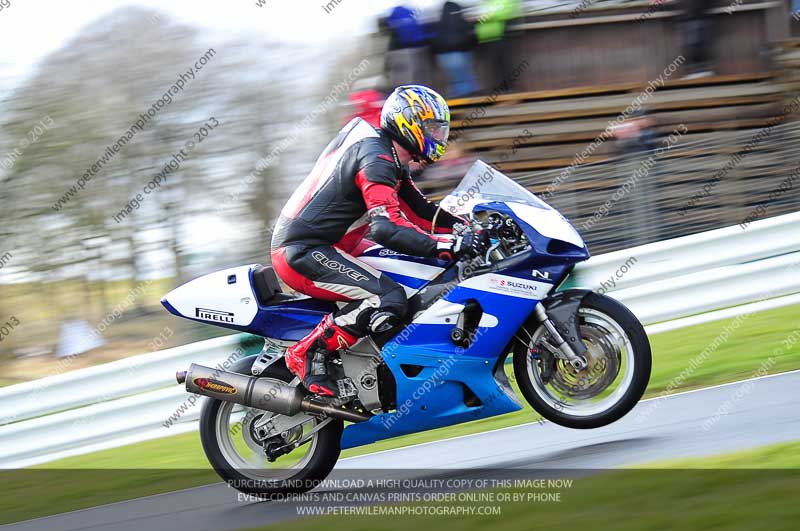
(246, 446)
(619, 362)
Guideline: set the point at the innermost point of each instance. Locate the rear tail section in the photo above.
(248, 299)
(223, 298)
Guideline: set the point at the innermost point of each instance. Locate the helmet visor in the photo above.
(437, 130)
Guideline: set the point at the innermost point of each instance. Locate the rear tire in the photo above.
(594, 307)
(325, 449)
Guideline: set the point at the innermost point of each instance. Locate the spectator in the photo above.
(453, 44)
(405, 59)
(636, 133)
(636, 214)
(492, 32)
(697, 29)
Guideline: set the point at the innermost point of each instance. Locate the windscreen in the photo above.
(484, 184)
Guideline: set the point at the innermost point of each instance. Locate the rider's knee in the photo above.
(395, 301)
(393, 307)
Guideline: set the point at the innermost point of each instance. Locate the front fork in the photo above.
(562, 348)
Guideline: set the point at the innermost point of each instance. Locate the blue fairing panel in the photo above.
(435, 397)
(291, 321)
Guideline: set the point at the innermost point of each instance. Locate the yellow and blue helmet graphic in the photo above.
(418, 118)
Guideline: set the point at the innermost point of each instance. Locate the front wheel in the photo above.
(619, 361)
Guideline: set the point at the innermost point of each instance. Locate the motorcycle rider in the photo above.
(361, 186)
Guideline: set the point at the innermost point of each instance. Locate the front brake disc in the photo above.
(604, 362)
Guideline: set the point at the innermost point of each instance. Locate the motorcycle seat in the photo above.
(268, 288)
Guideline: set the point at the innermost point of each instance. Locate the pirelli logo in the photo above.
(213, 315)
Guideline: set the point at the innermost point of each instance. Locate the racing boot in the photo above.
(308, 358)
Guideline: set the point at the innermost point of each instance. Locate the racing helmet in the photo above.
(418, 119)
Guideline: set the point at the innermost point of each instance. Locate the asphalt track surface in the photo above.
(758, 412)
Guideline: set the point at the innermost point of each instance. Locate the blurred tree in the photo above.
(216, 210)
(94, 89)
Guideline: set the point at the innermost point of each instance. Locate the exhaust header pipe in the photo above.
(260, 393)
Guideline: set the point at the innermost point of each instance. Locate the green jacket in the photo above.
(494, 15)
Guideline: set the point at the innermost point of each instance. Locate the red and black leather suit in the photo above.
(357, 189)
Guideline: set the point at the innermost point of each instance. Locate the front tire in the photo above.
(223, 442)
(618, 351)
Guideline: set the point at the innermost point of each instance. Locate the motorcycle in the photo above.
(581, 359)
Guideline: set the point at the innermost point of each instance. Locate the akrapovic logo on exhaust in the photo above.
(207, 384)
(214, 315)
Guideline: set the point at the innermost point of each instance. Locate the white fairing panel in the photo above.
(547, 222)
(386, 264)
(444, 312)
(410, 269)
(224, 297)
(507, 285)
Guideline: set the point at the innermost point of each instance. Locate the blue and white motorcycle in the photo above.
(581, 359)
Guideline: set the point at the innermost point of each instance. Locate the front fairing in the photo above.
(484, 188)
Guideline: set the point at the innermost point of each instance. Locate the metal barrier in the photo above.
(136, 399)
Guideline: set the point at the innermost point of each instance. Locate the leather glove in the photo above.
(470, 244)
